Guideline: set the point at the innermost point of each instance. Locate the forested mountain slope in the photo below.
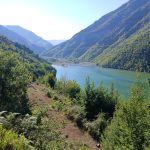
(37, 66)
(30, 36)
(109, 31)
(131, 54)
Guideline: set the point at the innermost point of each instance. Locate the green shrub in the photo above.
(56, 97)
(84, 148)
(72, 89)
(97, 127)
(49, 79)
(68, 87)
(130, 126)
(98, 99)
(9, 140)
(49, 94)
(62, 104)
(77, 114)
(61, 85)
(42, 132)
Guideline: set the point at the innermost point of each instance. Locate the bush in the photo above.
(84, 148)
(42, 132)
(97, 127)
(61, 85)
(68, 87)
(49, 94)
(49, 79)
(10, 141)
(99, 100)
(73, 89)
(77, 114)
(62, 104)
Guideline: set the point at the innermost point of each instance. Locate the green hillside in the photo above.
(131, 54)
(36, 65)
(110, 31)
(122, 23)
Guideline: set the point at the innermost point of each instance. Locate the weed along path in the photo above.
(38, 98)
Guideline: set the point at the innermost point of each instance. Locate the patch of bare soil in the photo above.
(38, 97)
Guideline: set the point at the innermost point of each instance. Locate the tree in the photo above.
(50, 79)
(73, 89)
(98, 99)
(14, 78)
(130, 126)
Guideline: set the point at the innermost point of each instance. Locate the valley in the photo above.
(119, 39)
(89, 92)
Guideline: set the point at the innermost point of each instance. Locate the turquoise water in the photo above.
(122, 80)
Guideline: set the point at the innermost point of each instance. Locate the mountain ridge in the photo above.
(110, 30)
(56, 42)
(31, 36)
(36, 65)
(12, 35)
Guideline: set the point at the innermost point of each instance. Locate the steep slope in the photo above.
(131, 54)
(30, 36)
(37, 66)
(66, 127)
(108, 31)
(15, 37)
(130, 19)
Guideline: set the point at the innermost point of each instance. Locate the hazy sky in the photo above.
(55, 19)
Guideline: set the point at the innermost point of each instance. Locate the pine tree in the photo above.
(130, 126)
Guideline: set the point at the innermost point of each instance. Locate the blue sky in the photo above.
(55, 19)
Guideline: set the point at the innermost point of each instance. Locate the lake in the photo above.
(122, 80)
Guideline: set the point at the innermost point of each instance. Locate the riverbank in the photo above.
(121, 79)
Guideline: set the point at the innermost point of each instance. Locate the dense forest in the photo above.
(131, 54)
(28, 122)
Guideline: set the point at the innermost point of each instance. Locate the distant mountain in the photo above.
(13, 36)
(108, 36)
(30, 36)
(25, 37)
(56, 42)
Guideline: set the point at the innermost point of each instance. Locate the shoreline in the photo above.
(66, 63)
(89, 64)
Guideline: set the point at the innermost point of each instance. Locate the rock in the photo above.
(4, 122)
(3, 113)
(27, 116)
(98, 145)
(17, 114)
(33, 118)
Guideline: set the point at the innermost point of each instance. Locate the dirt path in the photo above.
(73, 134)
(37, 96)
